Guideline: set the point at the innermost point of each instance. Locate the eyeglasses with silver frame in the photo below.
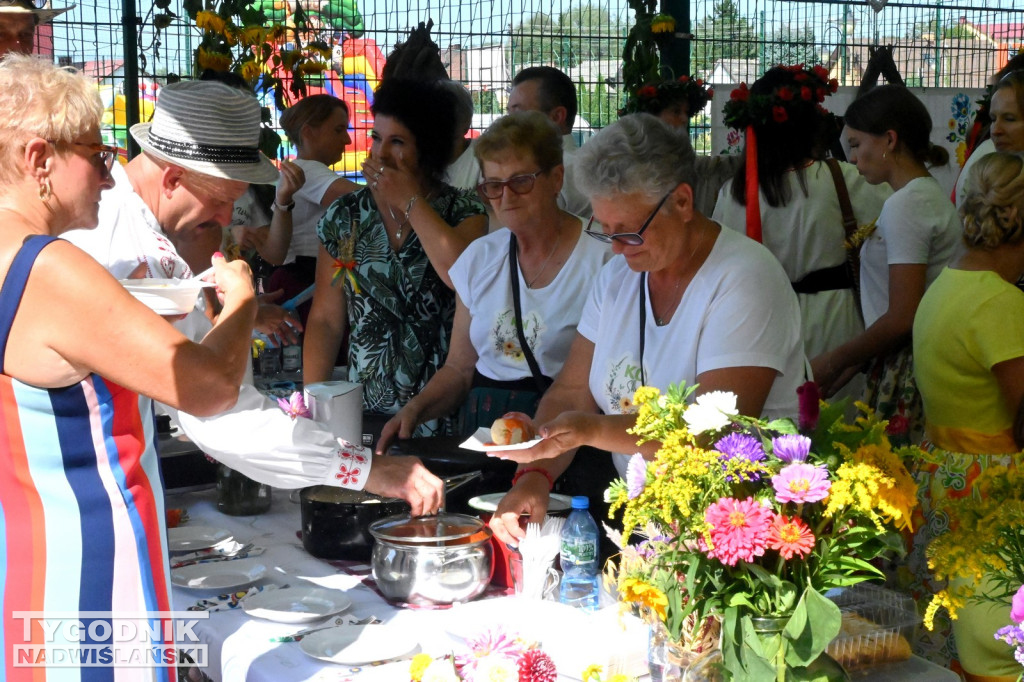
(627, 238)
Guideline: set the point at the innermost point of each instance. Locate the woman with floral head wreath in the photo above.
(888, 132)
(969, 365)
(795, 200)
(675, 102)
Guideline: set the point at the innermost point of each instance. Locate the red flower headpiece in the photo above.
(809, 86)
(653, 98)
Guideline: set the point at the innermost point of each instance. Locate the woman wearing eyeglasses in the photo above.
(683, 300)
(83, 528)
(512, 332)
(382, 270)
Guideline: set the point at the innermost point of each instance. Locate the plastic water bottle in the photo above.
(580, 580)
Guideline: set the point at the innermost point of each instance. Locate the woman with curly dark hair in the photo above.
(382, 271)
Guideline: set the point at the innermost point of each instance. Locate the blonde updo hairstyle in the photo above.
(41, 100)
(993, 211)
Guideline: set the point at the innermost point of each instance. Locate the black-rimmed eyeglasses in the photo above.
(104, 152)
(627, 238)
(520, 184)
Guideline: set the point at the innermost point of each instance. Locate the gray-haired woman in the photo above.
(682, 301)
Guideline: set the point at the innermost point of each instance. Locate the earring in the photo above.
(885, 153)
(45, 190)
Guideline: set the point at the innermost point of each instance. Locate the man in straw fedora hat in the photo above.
(18, 22)
(199, 155)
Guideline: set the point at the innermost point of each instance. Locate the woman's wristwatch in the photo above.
(287, 208)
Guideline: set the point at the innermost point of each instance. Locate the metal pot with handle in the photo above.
(431, 560)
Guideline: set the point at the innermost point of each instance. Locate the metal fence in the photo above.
(484, 43)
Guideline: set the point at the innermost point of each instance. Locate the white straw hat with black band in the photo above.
(43, 14)
(209, 128)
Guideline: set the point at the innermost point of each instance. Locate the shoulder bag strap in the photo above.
(849, 228)
(513, 266)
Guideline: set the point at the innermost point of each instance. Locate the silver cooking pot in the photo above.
(431, 560)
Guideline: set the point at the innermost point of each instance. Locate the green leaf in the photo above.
(814, 624)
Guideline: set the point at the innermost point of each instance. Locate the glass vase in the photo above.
(239, 495)
(710, 667)
(667, 658)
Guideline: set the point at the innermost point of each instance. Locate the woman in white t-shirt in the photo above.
(683, 300)
(798, 203)
(888, 131)
(555, 265)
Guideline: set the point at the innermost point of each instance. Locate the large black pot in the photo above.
(335, 521)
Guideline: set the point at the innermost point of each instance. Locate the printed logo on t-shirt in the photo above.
(622, 382)
(505, 338)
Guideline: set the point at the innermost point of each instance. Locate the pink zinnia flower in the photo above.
(739, 529)
(801, 482)
(790, 536)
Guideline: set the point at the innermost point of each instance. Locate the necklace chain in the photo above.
(544, 266)
(401, 225)
(660, 320)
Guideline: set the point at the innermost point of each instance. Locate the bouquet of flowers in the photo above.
(494, 656)
(984, 542)
(744, 519)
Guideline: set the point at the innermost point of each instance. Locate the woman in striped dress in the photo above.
(81, 509)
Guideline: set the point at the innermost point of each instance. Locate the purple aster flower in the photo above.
(636, 476)
(791, 447)
(740, 445)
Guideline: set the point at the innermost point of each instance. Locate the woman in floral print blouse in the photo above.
(382, 272)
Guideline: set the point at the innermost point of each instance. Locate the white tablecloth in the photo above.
(240, 649)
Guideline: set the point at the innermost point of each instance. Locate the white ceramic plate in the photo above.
(481, 442)
(219, 575)
(195, 538)
(359, 644)
(489, 502)
(298, 604)
(166, 296)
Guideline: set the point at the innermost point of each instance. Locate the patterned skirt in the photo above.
(892, 392)
(946, 476)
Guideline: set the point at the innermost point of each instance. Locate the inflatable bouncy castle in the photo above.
(355, 68)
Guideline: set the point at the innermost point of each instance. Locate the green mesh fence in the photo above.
(484, 43)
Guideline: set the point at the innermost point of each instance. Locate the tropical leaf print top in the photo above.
(400, 321)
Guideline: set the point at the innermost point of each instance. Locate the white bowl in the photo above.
(166, 296)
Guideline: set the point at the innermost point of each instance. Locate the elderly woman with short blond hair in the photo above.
(80, 490)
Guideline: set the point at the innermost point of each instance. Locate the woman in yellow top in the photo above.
(969, 365)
